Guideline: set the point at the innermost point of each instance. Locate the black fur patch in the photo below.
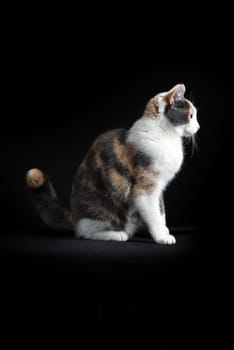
(122, 136)
(141, 159)
(178, 113)
(94, 173)
(161, 205)
(49, 208)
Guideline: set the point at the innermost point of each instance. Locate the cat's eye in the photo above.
(190, 116)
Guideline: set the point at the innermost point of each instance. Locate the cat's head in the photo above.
(176, 109)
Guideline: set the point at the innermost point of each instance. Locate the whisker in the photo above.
(191, 97)
(195, 147)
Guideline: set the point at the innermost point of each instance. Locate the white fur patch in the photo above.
(87, 227)
(149, 209)
(99, 230)
(159, 140)
(193, 126)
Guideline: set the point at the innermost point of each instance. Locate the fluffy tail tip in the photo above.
(35, 178)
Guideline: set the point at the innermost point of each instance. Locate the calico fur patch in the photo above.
(113, 171)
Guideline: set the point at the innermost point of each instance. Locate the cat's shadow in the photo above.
(44, 232)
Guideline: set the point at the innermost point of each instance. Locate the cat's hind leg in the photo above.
(99, 230)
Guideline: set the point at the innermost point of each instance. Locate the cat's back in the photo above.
(111, 138)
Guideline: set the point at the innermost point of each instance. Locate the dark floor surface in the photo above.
(58, 290)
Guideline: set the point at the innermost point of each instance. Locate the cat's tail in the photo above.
(46, 202)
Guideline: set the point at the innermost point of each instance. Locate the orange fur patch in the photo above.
(124, 153)
(119, 182)
(169, 98)
(145, 181)
(151, 108)
(98, 160)
(192, 109)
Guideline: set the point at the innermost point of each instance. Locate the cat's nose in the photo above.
(198, 126)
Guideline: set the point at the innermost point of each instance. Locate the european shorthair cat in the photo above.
(120, 183)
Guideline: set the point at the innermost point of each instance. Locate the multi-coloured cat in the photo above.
(119, 185)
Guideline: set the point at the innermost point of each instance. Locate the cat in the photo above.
(119, 185)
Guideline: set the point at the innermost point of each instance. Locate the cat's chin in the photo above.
(189, 133)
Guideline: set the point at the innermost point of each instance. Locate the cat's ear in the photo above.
(151, 109)
(176, 94)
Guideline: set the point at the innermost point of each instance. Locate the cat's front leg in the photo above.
(148, 206)
(162, 209)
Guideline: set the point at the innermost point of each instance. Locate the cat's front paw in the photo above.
(168, 239)
(165, 237)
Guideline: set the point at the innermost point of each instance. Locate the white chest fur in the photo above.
(167, 155)
(161, 144)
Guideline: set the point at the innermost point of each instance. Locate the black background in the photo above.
(65, 81)
(61, 108)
